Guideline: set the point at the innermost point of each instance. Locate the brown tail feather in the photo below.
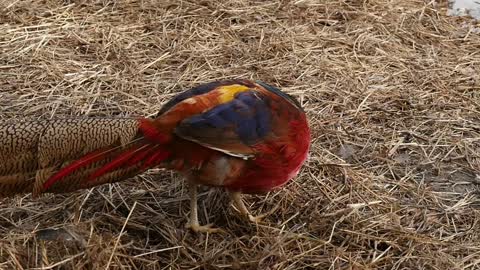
(32, 151)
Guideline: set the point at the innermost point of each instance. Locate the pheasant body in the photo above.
(244, 136)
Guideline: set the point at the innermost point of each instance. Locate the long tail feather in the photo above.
(74, 166)
(121, 160)
(67, 154)
(139, 157)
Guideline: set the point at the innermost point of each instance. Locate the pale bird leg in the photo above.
(237, 201)
(193, 222)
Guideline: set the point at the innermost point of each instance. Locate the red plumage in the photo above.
(244, 136)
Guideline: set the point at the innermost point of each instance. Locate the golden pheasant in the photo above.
(244, 136)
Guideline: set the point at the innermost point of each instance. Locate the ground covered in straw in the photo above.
(391, 89)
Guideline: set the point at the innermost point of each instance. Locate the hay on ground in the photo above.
(391, 88)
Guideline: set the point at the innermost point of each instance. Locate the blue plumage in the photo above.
(263, 117)
(246, 117)
(247, 131)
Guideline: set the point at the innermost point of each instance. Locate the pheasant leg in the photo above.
(193, 222)
(237, 201)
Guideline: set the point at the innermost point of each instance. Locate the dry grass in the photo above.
(392, 89)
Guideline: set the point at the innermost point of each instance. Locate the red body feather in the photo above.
(244, 136)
